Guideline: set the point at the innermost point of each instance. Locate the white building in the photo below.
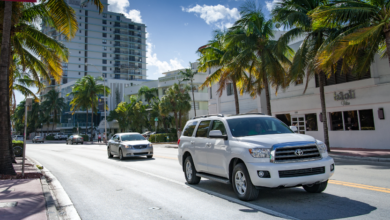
(108, 45)
(356, 108)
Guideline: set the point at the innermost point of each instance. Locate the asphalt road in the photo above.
(136, 188)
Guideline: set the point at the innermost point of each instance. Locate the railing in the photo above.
(121, 71)
(120, 25)
(120, 58)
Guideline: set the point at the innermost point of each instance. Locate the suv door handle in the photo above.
(208, 144)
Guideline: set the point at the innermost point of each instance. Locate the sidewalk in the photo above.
(22, 198)
(361, 154)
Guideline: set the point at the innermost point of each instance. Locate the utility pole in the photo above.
(27, 106)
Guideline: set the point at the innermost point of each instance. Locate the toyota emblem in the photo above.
(298, 152)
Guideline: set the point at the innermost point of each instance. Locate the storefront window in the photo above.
(366, 119)
(311, 122)
(286, 118)
(336, 121)
(351, 120)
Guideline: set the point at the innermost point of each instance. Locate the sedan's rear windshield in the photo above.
(132, 137)
(241, 127)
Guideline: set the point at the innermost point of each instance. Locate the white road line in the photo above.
(230, 199)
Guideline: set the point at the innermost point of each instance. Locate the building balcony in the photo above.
(121, 58)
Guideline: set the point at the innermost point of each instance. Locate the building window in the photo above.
(104, 61)
(105, 75)
(79, 73)
(311, 122)
(104, 34)
(79, 66)
(104, 15)
(229, 89)
(366, 119)
(104, 41)
(104, 68)
(104, 54)
(79, 51)
(79, 59)
(104, 28)
(80, 25)
(80, 31)
(110, 68)
(80, 11)
(196, 105)
(110, 22)
(104, 21)
(285, 118)
(336, 121)
(299, 82)
(351, 120)
(104, 48)
(118, 18)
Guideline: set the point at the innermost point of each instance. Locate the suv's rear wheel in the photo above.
(316, 188)
(242, 183)
(190, 172)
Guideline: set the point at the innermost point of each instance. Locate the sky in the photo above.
(177, 28)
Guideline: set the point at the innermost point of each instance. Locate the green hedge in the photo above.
(17, 142)
(85, 137)
(163, 137)
(49, 138)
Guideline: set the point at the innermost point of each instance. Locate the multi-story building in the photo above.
(107, 45)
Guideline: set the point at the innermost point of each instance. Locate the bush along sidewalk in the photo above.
(165, 137)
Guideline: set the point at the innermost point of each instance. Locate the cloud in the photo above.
(218, 15)
(271, 4)
(160, 66)
(120, 6)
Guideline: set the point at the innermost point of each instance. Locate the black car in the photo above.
(75, 139)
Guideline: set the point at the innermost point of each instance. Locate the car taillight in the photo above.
(178, 142)
(81, 138)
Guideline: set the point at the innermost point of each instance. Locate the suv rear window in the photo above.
(202, 129)
(189, 129)
(241, 127)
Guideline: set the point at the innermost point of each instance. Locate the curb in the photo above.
(376, 159)
(51, 210)
(62, 203)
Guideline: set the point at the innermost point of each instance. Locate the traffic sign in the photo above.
(155, 119)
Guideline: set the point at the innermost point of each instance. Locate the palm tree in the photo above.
(365, 27)
(266, 60)
(53, 104)
(177, 101)
(295, 15)
(189, 75)
(85, 94)
(148, 93)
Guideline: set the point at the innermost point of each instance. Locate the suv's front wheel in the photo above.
(190, 172)
(242, 183)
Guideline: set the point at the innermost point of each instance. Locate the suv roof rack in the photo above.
(205, 116)
(249, 114)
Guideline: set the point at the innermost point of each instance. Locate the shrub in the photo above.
(16, 142)
(49, 137)
(85, 137)
(163, 137)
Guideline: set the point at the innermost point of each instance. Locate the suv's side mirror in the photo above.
(294, 129)
(217, 134)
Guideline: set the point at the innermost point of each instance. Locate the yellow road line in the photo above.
(360, 186)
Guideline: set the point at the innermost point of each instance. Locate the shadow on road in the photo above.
(131, 159)
(372, 164)
(296, 202)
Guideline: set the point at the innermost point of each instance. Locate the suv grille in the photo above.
(301, 172)
(296, 154)
(140, 146)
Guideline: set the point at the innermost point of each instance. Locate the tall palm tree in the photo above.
(53, 104)
(85, 94)
(189, 75)
(295, 15)
(266, 60)
(365, 27)
(148, 93)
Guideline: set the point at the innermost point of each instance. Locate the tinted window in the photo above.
(132, 137)
(257, 126)
(336, 121)
(218, 125)
(202, 129)
(351, 120)
(311, 122)
(189, 129)
(367, 119)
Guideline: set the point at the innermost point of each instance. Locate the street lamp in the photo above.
(104, 106)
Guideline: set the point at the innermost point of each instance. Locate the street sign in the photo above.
(155, 119)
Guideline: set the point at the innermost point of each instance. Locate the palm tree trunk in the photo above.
(177, 124)
(193, 97)
(387, 34)
(267, 96)
(5, 131)
(323, 107)
(52, 127)
(86, 125)
(92, 123)
(236, 98)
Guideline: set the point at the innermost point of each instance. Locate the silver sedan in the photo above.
(129, 145)
(38, 139)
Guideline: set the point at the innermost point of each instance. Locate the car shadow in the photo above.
(296, 202)
(131, 159)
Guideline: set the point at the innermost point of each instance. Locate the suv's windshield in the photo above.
(241, 127)
(132, 137)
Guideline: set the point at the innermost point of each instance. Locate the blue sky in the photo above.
(176, 29)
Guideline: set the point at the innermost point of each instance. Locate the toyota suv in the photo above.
(252, 152)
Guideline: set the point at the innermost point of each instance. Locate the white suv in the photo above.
(252, 152)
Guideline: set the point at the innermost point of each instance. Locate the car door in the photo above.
(113, 144)
(200, 146)
(217, 150)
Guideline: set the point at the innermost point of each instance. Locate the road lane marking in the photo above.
(360, 186)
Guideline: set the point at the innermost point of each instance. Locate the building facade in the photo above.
(107, 45)
(357, 108)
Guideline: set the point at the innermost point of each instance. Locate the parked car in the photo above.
(146, 134)
(75, 139)
(18, 138)
(252, 152)
(60, 136)
(129, 145)
(38, 139)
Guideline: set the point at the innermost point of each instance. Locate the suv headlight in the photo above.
(128, 146)
(260, 152)
(322, 147)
